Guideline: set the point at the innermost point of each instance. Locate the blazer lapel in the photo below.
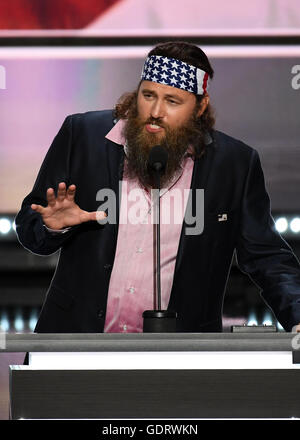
(115, 164)
(200, 177)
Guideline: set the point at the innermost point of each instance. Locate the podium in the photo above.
(133, 376)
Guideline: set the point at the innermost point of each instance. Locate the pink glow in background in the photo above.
(253, 98)
(39, 94)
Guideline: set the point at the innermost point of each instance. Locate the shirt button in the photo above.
(139, 250)
(100, 313)
(131, 289)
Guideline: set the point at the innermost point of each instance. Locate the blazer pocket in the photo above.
(61, 297)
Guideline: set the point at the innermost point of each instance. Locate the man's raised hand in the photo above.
(62, 211)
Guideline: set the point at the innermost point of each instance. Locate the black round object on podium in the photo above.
(159, 321)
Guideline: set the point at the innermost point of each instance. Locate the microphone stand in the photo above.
(157, 241)
(158, 321)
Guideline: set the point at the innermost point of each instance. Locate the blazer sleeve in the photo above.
(263, 254)
(55, 168)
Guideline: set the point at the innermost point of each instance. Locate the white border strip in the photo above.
(194, 360)
(130, 52)
(135, 33)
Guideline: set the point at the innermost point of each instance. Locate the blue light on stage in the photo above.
(252, 319)
(288, 225)
(4, 322)
(5, 225)
(267, 320)
(281, 224)
(33, 320)
(279, 327)
(19, 322)
(295, 225)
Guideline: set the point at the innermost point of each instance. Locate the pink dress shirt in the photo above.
(132, 282)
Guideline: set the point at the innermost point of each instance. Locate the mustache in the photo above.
(156, 121)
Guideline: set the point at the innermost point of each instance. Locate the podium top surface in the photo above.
(114, 342)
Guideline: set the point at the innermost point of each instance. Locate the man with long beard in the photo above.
(104, 277)
(147, 125)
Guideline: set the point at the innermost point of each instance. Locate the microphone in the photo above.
(158, 321)
(158, 158)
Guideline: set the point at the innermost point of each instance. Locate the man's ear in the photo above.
(204, 104)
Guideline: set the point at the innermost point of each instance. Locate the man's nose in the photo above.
(157, 110)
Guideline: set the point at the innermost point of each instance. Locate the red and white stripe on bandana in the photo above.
(175, 73)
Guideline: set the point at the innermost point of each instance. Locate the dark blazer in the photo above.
(231, 176)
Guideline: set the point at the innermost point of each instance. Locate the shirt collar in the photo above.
(116, 133)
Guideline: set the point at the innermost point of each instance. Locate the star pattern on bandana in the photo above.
(170, 72)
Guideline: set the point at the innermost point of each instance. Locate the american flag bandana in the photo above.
(175, 73)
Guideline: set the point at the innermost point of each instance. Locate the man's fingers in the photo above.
(91, 216)
(99, 215)
(37, 208)
(50, 196)
(61, 191)
(71, 192)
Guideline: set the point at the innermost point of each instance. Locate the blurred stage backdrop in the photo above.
(59, 57)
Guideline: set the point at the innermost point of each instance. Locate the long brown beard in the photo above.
(176, 141)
